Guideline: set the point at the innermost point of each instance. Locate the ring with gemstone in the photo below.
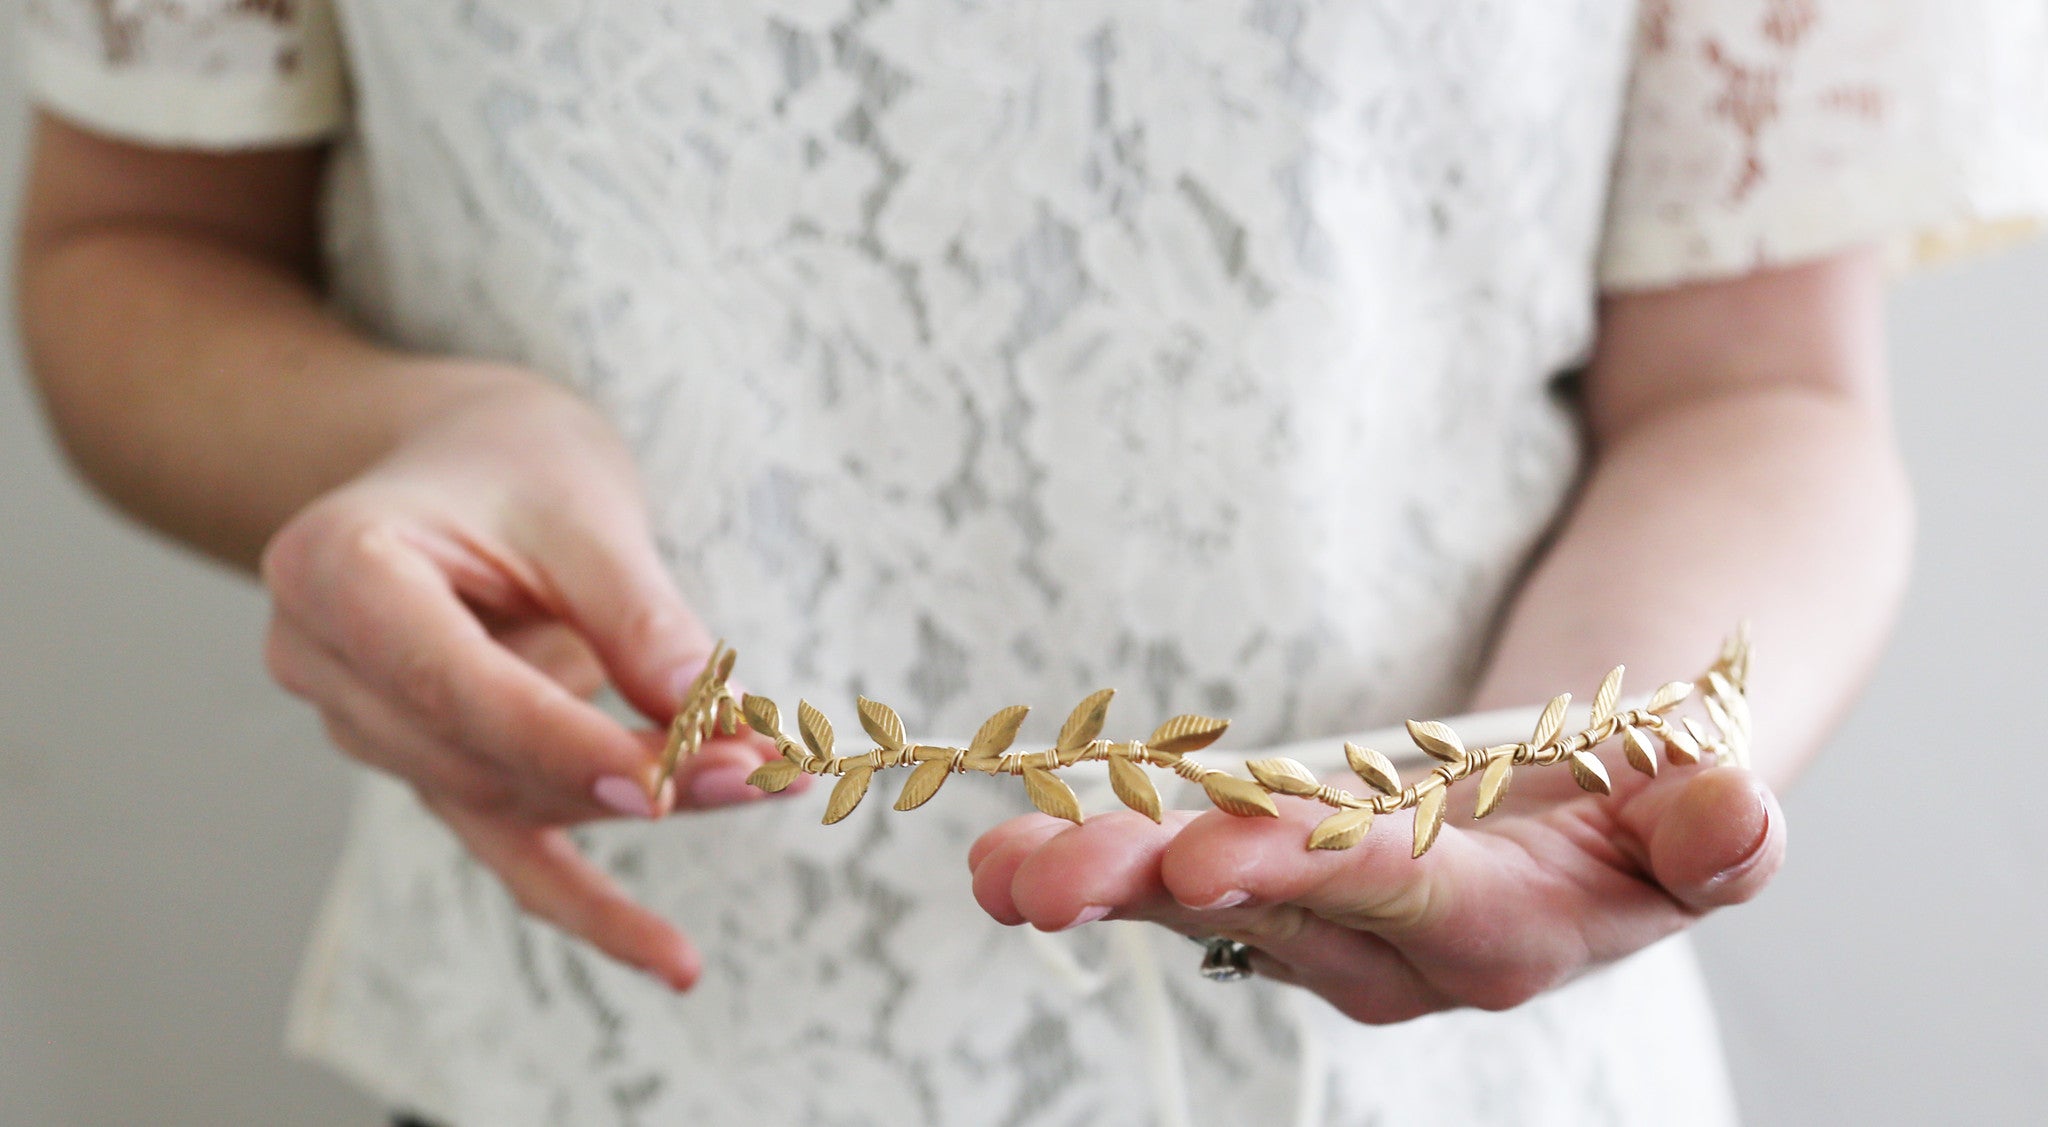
(1224, 960)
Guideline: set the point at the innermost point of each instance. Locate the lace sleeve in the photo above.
(199, 73)
(1771, 131)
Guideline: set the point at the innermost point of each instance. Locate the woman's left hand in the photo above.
(1495, 913)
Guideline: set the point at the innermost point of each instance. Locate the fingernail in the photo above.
(1229, 899)
(1750, 856)
(721, 788)
(623, 795)
(1088, 916)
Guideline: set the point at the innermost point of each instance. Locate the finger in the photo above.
(617, 593)
(1489, 918)
(550, 880)
(368, 731)
(1060, 877)
(995, 856)
(369, 594)
(717, 775)
(1716, 841)
(1107, 865)
(557, 651)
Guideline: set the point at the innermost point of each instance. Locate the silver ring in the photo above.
(1224, 960)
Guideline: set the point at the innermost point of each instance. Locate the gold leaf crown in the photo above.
(710, 707)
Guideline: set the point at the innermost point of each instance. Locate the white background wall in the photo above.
(167, 819)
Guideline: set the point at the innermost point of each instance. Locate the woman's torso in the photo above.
(976, 354)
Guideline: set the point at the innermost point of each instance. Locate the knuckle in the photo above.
(348, 739)
(649, 627)
(328, 531)
(281, 660)
(286, 558)
(1277, 926)
(1414, 904)
(485, 792)
(427, 682)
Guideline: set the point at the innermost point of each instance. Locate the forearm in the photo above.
(1784, 506)
(170, 304)
(203, 389)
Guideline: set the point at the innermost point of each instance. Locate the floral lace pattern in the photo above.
(208, 73)
(982, 352)
(202, 36)
(1764, 131)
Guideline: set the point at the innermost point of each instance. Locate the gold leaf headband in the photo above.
(710, 706)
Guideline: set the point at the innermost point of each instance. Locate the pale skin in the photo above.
(458, 556)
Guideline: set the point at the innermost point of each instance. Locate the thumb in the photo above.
(616, 593)
(1716, 840)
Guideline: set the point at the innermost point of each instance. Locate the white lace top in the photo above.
(983, 351)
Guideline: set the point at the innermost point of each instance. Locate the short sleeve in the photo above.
(215, 74)
(1768, 132)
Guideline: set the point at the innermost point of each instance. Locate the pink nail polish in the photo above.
(621, 794)
(1088, 916)
(722, 788)
(1228, 900)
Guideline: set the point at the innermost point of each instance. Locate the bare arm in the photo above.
(1743, 467)
(457, 551)
(170, 308)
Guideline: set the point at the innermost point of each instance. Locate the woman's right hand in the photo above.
(451, 611)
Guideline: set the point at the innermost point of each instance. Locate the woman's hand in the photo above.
(1495, 913)
(1743, 467)
(450, 611)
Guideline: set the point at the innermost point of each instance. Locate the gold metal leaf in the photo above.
(1738, 749)
(1241, 797)
(762, 715)
(1590, 773)
(997, 732)
(1698, 734)
(853, 787)
(1493, 785)
(1341, 830)
(1607, 697)
(1641, 755)
(1551, 722)
(922, 784)
(1718, 713)
(1051, 795)
(816, 729)
(1085, 722)
(1283, 775)
(1436, 738)
(725, 663)
(1374, 767)
(1668, 694)
(1429, 819)
(1738, 708)
(1680, 748)
(1719, 685)
(774, 775)
(672, 748)
(1186, 733)
(1132, 787)
(882, 723)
